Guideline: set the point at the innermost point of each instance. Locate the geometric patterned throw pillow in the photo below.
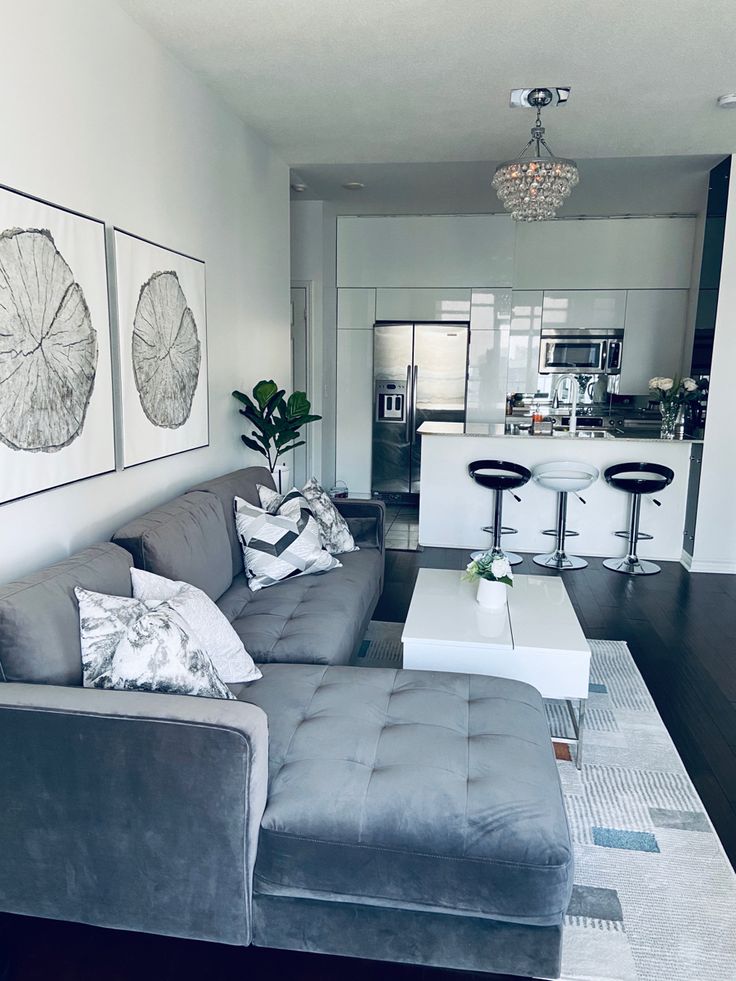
(282, 545)
(142, 645)
(333, 528)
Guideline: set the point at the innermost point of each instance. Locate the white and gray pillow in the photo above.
(282, 545)
(217, 638)
(142, 645)
(333, 528)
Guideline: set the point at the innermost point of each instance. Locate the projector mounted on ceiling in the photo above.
(557, 96)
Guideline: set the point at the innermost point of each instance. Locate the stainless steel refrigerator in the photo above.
(420, 373)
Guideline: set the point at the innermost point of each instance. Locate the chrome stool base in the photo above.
(560, 561)
(632, 566)
(513, 558)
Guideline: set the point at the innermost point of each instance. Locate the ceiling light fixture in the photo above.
(353, 185)
(533, 187)
(298, 186)
(727, 101)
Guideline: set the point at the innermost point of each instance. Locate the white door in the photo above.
(299, 373)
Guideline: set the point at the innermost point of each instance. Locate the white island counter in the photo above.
(453, 508)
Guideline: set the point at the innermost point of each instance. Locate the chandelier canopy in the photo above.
(533, 187)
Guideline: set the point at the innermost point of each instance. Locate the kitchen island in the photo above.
(453, 508)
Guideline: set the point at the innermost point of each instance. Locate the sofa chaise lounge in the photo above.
(399, 815)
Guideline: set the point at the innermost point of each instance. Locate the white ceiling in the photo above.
(340, 81)
(634, 185)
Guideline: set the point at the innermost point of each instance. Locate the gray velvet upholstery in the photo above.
(39, 616)
(410, 936)
(412, 789)
(131, 810)
(411, 816)
(185, 540)
(240, 483)
(317, 619)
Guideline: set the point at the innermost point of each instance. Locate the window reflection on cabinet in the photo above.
(526, 322)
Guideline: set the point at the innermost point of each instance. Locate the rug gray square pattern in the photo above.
(655, 895)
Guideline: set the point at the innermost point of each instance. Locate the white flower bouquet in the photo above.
(493, 566)
(674, 390)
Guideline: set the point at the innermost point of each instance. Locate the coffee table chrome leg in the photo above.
(581, 725)
(578, 723)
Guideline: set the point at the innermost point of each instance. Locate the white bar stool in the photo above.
(563, 477)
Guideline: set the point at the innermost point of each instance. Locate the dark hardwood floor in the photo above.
(681, 630)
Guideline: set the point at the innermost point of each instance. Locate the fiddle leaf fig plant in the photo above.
(276, 420)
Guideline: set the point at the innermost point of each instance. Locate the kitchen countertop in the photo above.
(498, 429)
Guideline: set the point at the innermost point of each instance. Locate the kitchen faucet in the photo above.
(573, 426)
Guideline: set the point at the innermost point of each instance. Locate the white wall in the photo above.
(313, 245)
(100, 119)
(715, 529)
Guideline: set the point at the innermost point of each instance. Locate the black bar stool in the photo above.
(499, 476)
(636, 479)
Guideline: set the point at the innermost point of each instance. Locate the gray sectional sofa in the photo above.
(400, 815)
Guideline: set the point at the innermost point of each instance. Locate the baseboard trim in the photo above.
(726, 567)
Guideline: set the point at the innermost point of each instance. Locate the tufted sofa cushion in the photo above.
(240, 483)
(39, 615)
(318, 619)
(185, 539)
(412, 789)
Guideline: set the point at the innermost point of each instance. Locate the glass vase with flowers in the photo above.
(673, 395)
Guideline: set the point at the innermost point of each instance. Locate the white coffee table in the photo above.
(536, 639)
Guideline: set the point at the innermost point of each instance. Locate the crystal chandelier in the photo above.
(533, 187)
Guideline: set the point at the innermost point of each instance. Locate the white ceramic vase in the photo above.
(491, 595)
(282, 478)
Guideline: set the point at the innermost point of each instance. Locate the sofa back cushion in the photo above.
(39, 615)
(239, 483)
(185, 540)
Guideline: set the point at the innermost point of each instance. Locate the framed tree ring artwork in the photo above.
(162, 350)
(56, 396)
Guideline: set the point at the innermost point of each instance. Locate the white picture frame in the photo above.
(163, 396)
(56, 386)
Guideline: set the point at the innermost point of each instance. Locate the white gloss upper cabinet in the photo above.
(608, 254)
(354, 410)
(653, 338)
(425, 251)
(584, 309)
(411, 305)
(523, 353)
(487, 360)
(356, 309)
(490, 309)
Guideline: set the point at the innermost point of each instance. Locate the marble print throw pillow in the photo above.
(217, 638)
(333, 528)
(282, 545)
(142, 645)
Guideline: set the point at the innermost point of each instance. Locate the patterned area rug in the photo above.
(655, 895)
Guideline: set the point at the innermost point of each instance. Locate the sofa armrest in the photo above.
(131, 810)
(366, 520)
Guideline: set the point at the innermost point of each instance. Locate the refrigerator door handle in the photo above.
(414, 405)
(408, 397)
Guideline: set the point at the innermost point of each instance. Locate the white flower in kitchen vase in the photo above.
(673, 395)
(492, 571)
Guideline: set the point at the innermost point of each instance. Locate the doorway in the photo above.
(300, 373)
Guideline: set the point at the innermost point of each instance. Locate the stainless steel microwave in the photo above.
(590, 352)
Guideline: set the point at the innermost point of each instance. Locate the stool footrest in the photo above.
(568, 534)
(504, 530)
(641, 537)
